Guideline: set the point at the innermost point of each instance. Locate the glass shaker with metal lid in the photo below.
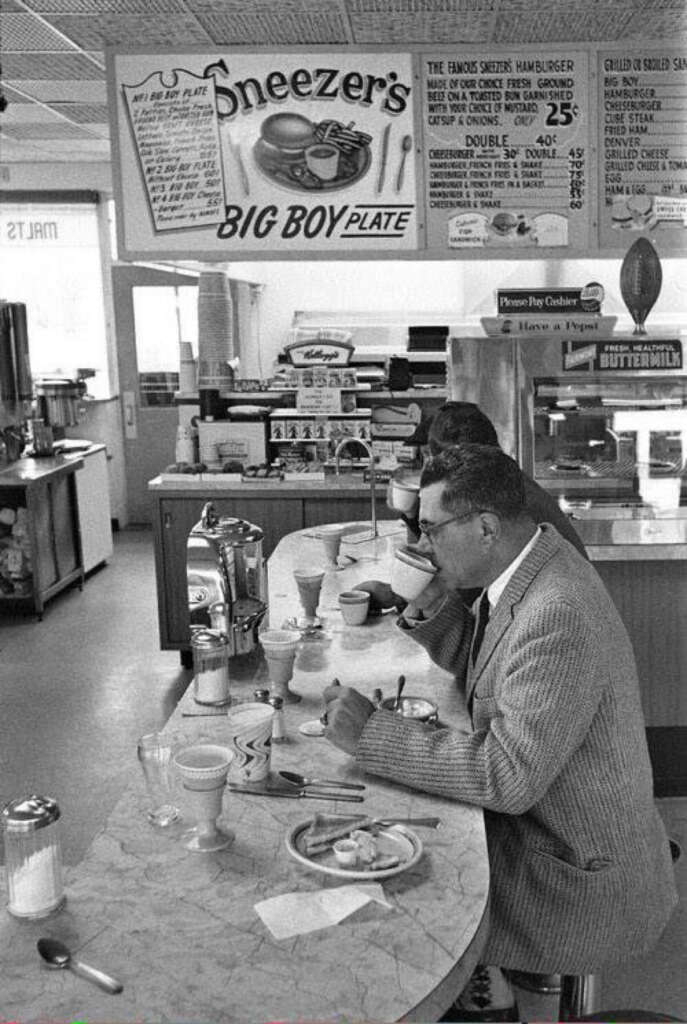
(33, 857)
(210, 666)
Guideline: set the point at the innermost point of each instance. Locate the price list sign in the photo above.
(643, 126)
(506, 150)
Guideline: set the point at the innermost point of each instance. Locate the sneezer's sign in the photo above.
(264, 153)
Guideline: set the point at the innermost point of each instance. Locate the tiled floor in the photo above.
(77, 689)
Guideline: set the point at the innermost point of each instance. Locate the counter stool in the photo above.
(578, 993)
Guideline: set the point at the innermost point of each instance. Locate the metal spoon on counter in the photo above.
(302, 780)
(56, 955)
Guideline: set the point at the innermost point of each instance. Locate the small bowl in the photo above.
(346, 852)
(417, 708)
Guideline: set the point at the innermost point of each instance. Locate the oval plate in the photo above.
(396, 840)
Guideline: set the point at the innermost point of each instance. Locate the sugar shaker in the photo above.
(33, 857)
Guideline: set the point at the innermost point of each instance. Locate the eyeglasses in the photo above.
(429, 529)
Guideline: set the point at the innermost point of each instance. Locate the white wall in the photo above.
(463, 289)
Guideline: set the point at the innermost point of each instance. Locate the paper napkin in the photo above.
(297, 913)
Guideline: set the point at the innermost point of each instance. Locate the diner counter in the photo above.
(29, 471)
(180, 929)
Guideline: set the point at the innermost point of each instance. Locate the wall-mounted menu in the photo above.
(260, 154)
(643, 147)
(506, 150)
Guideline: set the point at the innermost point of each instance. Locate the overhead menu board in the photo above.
(267, 153)
(506, 150)
(643, 147)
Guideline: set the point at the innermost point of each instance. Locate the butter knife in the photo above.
(298, 794)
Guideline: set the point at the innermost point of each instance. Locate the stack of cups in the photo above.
(215, 331)
(188, 378)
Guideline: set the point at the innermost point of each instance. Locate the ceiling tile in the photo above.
(50, 7)
(57, 130)
(128, 30)
(275, 22)
(25, 32)
(82, 113)
(440, 23)
(56, 66)
(28, 113)
(64, 91)
(15, 97)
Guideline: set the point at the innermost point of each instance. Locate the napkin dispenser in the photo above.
(226, 578)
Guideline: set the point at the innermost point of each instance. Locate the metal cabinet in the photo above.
(44, 555)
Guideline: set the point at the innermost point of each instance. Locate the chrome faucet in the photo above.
(371, 469)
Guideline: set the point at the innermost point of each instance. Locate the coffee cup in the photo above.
(322, 160)
(354, 605)
(411, 573)
(404, 496)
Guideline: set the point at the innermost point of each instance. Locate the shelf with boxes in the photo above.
(290, 425)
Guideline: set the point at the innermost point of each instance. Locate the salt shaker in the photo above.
(33, 856)
(278, 724)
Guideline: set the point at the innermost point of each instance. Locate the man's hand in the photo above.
(347, 711)
(381, 596)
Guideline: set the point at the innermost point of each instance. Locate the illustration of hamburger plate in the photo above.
(635, 211)
(507, 225)
(299, 154)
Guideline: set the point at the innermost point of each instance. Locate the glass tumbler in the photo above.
(155, 757)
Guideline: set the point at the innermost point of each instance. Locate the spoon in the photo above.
(406, 146)
(56, 954)
(399, 690)
(303, 780)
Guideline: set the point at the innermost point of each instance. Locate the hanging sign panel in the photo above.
(263, 153)
(506, 150)
(643, 146)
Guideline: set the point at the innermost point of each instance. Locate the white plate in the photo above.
(396, 840)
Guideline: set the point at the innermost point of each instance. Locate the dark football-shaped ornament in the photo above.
(640, 281)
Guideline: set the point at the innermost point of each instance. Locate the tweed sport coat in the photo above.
(580, 869)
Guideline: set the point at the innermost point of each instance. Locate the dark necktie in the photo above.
(481, 625)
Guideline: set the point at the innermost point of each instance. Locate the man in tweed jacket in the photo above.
(581, 874)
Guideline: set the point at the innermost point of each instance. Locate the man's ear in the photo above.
(490, 527)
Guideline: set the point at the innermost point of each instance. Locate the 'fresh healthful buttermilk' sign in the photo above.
(622, 356)
(220, 154)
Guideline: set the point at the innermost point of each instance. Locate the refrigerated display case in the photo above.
(601, 425)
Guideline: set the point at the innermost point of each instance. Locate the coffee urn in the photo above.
(226, 579)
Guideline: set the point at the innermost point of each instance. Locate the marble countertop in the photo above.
(180, 929)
